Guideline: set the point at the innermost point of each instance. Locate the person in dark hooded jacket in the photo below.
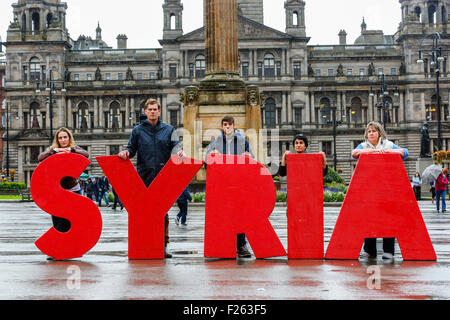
(231, 142)
(301, 144)
(154, 142)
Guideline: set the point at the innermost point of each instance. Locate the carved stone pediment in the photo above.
(247, 29)
(33, 134)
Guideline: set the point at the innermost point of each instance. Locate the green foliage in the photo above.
(333, 196)
(281, 197)
(12, 186)
(332, 176)
(199, 197)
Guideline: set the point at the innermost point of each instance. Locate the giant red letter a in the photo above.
(380, 203)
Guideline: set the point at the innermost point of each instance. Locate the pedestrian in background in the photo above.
(182, 201)
(103, 188)
(433, 191)
(116, 200)
(376, 142)
(417, 185)
(441, 189)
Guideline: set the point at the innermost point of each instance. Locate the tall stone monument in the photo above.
(222, 91)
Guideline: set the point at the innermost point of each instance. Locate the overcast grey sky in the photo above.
(142, 20)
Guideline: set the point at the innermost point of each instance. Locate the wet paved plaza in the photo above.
(106, 273)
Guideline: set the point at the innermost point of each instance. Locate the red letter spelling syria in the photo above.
(305, 206)
(83, 214)
(147, 207)
(240, 197)
(380, 203)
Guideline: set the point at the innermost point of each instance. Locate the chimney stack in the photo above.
(122, 41)
(342, 37)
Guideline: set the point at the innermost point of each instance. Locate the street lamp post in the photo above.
(384, 93)
(335, 124)
(436, 58)
(51, 88)
(7, 139)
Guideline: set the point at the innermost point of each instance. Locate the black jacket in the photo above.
(154, 145)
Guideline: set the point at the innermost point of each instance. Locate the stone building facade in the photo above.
(100, 91)
(2, 103)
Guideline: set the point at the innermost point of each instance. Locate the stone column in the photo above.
(69, 113)
(101, 123)
(221, 36)
(127, 111)
(96, 113)
(284, 110)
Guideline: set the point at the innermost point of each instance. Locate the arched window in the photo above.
(83, 116)
(444, 15)
(431, 14)
(418, 13)
(270, 112)
(355, 111)
(295, 19)
(35, 115)
(35, 23)
(49, 20)
(35, 69)
(114, 114)
(173, 22)
(325, 111)
(269, 65)
(200, 66)
(24, 22)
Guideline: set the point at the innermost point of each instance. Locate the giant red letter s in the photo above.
(380, 203)
(240, 196)
(83, 214)
(147, 207)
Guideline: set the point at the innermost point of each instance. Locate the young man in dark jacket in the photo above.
(182, 202)
(231, 142)
(103, 188)
(154, 142)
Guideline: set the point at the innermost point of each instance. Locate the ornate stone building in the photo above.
(99, 91)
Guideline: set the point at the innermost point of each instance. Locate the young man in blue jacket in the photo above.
(154, 142)
(231, 142)
(182, 202)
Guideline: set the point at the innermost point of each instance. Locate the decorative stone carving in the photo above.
(191, 96)
(253, 96)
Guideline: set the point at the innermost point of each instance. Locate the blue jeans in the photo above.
(440, 194)
(101, 195)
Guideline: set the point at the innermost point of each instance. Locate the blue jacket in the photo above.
(184, 196)
(154, 145)
(239, 145)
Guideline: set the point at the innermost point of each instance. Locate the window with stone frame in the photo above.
(173, 114)
(244, 69)
(35, 69)
(114, 149)
(269, 65)
(297, 70)
(297, 116)
(327, 148)
(270, 113)
(200, 66)
(172, 71)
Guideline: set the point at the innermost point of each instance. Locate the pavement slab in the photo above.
(106, 273)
